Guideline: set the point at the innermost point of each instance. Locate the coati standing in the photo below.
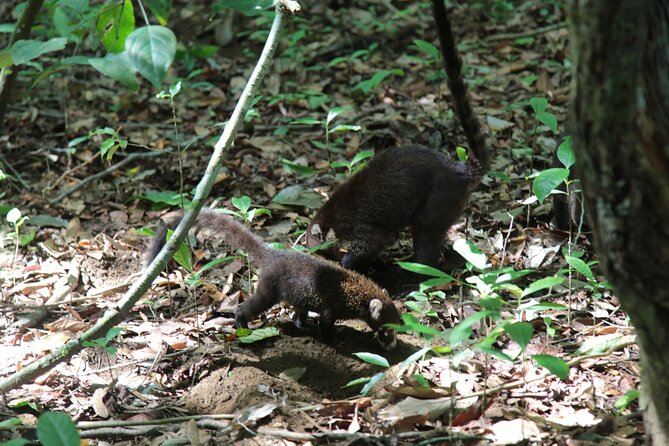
(306, 282)
(408, 186)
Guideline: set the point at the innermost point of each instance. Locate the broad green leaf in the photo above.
(580, 266)
(54, 428)
(247, 7)
(424, 269)
(542, 284)
(548, 180)
(539, 104)
(23, 51)
(7, 28)
(182, 256)
(5, 59)
(117, 67)
(370, 84)
(298, 168)
(432, 283)
(163, 197)
(427, 47)
(114, 25)
(412, 324)
(11, 422)
(549, 120)
(242, 203)
(161, 9)
(151, 51)
(415, 356)
(556, 366)
(259, 335)
(297, 195)
(521, 332)
(471, 253)
(565, 153)
(373, 358)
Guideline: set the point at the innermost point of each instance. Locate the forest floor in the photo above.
(178, 354)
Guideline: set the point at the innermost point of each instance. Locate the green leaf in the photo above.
(549, 120)
(427, 47)
(495, 353)
(373, 359)
(23, 51)
(542, 284)
(11, 422)
(248, 7)
(368, 85)
(345, 128)
(463, 330)
(117, 67)
(182, 256)
(462, 153)
(521, 332)
(548, 180)
(374, 379)
(543, 306)
(151, 51)
(298, 168)
(424, 269)
(112, 333)
(114, 25)
(362, 155)
(539, 104)
(556, 366)
(580, 266)
(297, 195)
(333, 113)
(306, 121)
(259, 335)
(6, 59)
(57, 429)
(471, 253)
(565, 153)
(16, 441)
(242, 203)
(628, 398)
(166, 198)
(161, 9)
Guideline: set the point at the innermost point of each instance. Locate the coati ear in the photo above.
(375, 307)
(316, 231)
(385, 291)
(330, 235)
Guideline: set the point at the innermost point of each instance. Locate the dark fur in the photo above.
(306, 282)
(409, 186)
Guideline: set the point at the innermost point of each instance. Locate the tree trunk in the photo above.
(619, 123)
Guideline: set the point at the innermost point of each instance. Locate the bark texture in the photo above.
(619, 123)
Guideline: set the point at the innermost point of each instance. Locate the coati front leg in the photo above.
(263, 299)
(300, 318)
(326, 325)
(427, 245)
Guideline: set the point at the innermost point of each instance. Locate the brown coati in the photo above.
(306, 282)
(407, 186)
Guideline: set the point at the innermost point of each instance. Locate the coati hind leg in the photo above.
(263, 299)
(370, 242)
(326, 325)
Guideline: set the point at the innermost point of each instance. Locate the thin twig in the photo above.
(528, 32)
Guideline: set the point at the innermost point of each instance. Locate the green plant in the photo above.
(16, 220)
(327, 126)
(367, 86)
(103, 343)
(148, 50)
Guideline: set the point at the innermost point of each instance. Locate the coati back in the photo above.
(306, 282)
(407, 186)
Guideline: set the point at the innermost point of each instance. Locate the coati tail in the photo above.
(230, 230)
(479, 157)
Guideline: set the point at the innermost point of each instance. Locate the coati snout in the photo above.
(408, 186)
(308, 283)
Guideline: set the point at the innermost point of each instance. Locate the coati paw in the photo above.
(240, 321)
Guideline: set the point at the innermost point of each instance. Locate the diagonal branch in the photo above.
(285, 9)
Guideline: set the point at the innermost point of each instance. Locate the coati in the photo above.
(407, 186)
(306, 282)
